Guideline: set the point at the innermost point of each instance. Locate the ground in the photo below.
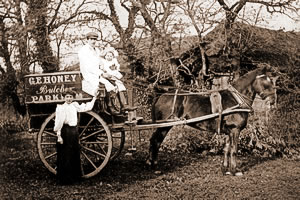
(178, 176)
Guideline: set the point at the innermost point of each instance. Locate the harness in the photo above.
(216, 102)
(173, 105)
(216, 105)
(242, 100)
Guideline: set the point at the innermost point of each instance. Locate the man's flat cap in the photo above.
(92, 35)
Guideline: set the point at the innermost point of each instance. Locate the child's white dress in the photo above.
(113, 68)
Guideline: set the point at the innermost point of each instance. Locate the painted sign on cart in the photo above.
(49, 87)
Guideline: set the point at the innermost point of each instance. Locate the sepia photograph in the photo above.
(149, 99)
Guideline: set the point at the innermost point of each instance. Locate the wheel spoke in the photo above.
(115, 148)
(98, 142)
(92, 119)
(94, 142)
(95, 152)
(90, 135)
(50, 133)
(51, 155)
(48, 143)
(90, 161)
(101, 137)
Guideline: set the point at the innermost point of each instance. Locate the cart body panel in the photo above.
(49, 87)
(44, 91)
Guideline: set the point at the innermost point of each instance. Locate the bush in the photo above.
(274, 135)
(279, 136)
(10, 120)
(10, 126)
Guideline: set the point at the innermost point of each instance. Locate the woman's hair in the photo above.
(69, 91)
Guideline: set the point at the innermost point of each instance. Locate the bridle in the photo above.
(263, 94)
(244, 100)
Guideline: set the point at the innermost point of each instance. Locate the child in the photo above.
(68, 153)
(111, 65)
(111, 69)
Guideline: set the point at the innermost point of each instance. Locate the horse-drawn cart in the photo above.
(102, 136)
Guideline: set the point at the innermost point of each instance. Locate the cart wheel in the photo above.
(46, 144)
(118, 140)
(95, 141)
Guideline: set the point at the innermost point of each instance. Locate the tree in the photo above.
(25, 30)
(232, 12)
(37, 19)
(160, 25)
(202, 19)
(9, 79)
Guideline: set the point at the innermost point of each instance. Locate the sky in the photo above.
(284, 23)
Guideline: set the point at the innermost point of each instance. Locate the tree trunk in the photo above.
(38, 19)
(9, 80)
(21, 38)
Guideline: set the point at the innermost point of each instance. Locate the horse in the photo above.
(240, 94)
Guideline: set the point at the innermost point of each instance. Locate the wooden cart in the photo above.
(101, 135)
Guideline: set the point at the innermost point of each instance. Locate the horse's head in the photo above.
(264, 87)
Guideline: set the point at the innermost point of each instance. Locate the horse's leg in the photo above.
(234, 138)
(226, 152)
(155, 142)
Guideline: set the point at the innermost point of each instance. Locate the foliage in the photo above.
(10, 120)
(278, 136)
(11, 126)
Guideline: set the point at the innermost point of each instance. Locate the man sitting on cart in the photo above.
(91, 70)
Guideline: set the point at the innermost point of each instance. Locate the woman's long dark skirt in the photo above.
(68, 156)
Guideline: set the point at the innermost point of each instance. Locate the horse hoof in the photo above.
(238, 174)
(227, 173)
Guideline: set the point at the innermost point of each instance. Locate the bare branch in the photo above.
(224, 5)
(114, 17)
(55, 13)
(75, 14)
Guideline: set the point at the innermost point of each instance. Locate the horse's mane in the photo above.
(248, 78)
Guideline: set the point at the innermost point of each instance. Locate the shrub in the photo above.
(276, 135)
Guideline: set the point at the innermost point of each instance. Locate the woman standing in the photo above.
(68, 148)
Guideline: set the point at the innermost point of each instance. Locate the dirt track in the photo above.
(181, 176)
